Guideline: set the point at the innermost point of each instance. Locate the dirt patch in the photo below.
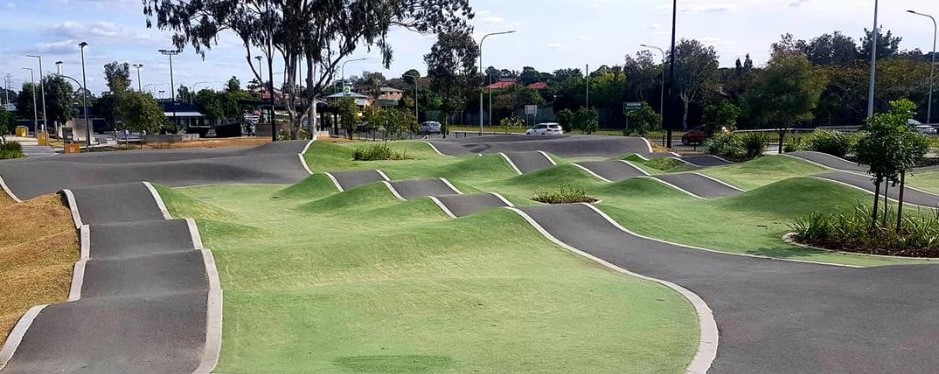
(211, 143)
(38, 247)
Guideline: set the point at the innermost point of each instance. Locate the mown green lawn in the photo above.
(928, 181)
(316, 281)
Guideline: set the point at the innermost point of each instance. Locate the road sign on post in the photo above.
(531, 110)
(631, 107)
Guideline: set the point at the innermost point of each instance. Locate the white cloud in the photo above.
(95, 31)
(555, 45)
(797, 3)
(55, 48)
(583, 37)
(653, 27)
(706, 8)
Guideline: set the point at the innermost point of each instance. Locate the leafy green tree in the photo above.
(695, 72)
(786, 93)
(720, 116)
(566, 119)
(7, 124)
(184, 94)
(451, 65)
(319, 34)
(139, 111)
(887, 44)
(643, 120)
(586, 120)
(890, 148)
(508, 124)
(348, 114)
(233, 84)
(60, 99)
(24, 100)
(117, 75)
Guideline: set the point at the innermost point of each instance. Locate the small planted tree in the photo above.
(586, 120)
(720, 117)
(140, 112)
(510, 123)
(348, 114)
(643, 120)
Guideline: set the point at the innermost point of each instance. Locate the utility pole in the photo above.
(873, 82)
(671, 74)
(587, 76)
(139, 83)
(42, 88)
(481, 109)
(932, 65)
(32, 80)
(172, 53)
(6, 92)
(88, 125)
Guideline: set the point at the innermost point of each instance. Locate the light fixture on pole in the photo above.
(344, 93)
(88, 124)
(170, 54)
(481, 41)
(932, 64)
(873, 82)
(139, 83)
(662, 99)
(42, 88)
(58, 67)
(32, 81)
(671, 74)
(417, 116)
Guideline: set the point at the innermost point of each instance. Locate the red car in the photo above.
(695, 136)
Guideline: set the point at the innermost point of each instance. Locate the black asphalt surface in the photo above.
(467, 205)
(613, 170)
(352, 179)
(910, 196)
(412, 189)
(829, 161)
(143, 299)
(528, 162)
(776, 316)
(563, 146)
(698, 185)
(706, 161)
(274, 163)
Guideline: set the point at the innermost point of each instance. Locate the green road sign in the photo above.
(631, 107)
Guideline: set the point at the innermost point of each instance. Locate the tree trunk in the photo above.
(684, 116)
(900, 207)
(876, 203)
(886, 203)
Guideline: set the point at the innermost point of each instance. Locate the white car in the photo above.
(545, 129)
(926, 129)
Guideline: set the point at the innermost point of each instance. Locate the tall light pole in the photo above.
(58, 67)
(671, 74)
(83, 90)
(32, 81)
(662, 99)
(873, 82)
(417, 116)
(172, 53)
(481, 41)
(344, 73)
(139, 82)
(88, 124)
(932, 71)
(42, 87)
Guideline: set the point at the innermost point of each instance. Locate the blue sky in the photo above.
(551, 34)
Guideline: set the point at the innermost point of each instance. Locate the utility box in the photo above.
(22, 131)
(42, 138)
(73, 148)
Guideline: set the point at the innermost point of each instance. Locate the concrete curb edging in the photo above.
(648, 144)
(432, 146)
(194, 232)
(639, 169)
(158, 200)
(393, 191)
(17, 334)
(442, 207)
(679, 189)
(73, 207)
(595, 175)
(511, 164)
(383, 175)
(305, 166)
(451, 186)
(307, 147)
(728, 185)
(9, 192)
(551, 160)
(335, 181)
(789, 238)
(708, 333)
(504, 200)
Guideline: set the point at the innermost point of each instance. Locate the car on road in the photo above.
(430, 127)
(695, 136)
(550, 128)
(920, 127)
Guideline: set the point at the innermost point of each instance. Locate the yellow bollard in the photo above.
(22, 131)
(42, 139)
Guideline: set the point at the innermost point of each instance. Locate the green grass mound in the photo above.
(312, 188)
(553, 177)
(796, 196)
(763, 171)
(213, 221)
(640, 188)
(328, 157)
(486, 167)
(370, 196)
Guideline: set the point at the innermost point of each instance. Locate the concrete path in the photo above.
(612, 170)
(275, 163)
(563, 146)
(466, 205)
(910, 196)
(527, 162)
(698, 185)
(144, 298)
(347, 180)
(38, 151)
(413, 189)
(776, 316)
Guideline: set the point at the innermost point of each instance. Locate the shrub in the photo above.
(565, 194)
(754, 144)
(378, 152)
(835, 143)
(918, 235)
(643, 120)
(725, 145)
(510, 123)
(794, 145)
(10, 150)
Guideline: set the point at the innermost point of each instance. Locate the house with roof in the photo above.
(506, 83)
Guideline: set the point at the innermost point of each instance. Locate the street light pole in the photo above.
(42, 87)
(481, 98)
(172, 53)
(83, 90)
(58, 67)
(662, 99)
(671, 74)
(344, 73)
(32, 81)
(417, 116)
(88, 124)
(932, 65)
(873, 82)
(139, 82)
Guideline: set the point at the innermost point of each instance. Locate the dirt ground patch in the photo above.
(211, 143)
(38, 247)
